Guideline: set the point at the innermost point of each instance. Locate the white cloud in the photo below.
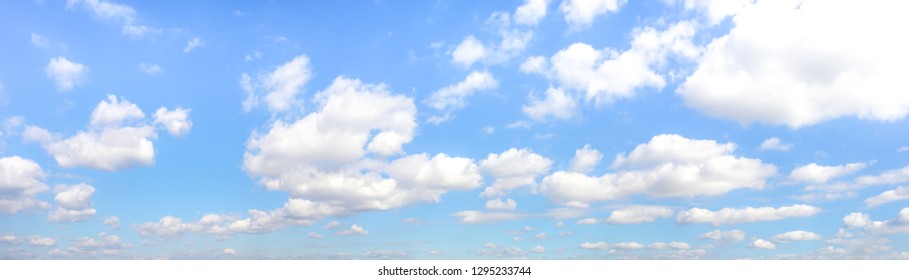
(105, 245)
(557, 104)
(353, 230)
(41, 241)
(513, 169)
(538, 249)
(762, 244)
(745, 215)
(898, 194)
(193, 43)
(115, 112)
(797, 235)
(107, 11)
(812, 65)
(108, 149)
(176, 122)
(667, 166)
(674, 245)
(454, 96)
(638, 214)
(478, 217)
(73, 203)
(774, 143)
(332, 224)
(150, 68)
(729, 235)
(139, 31)
(118, 137)
(602, 76)
(585, 159)
(900, 224)
(229, 251)
(531, 12)
(628, 245)
(40, 41)
(580, 13)
(716, 10)
(499, 204)
(281, 87)
(814, 173)
(20, 182)
(255, 55)
(588, 221)
(314, 235)
(594, 246)
(113, 222)
(469, 51)
(66, 74)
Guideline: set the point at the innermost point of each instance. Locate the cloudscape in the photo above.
(523, 129)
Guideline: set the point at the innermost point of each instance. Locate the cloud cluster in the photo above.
(73, 203)
(806, 66)
(21, 180)
(65, 73)
(118, 136)
(745, 215)
(666, 166)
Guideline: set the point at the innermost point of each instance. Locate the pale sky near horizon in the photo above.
(535, 129)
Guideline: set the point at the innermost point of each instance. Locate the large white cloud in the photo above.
(20, 181)
(118, 137)
(513, 169)
(602, 76)
(806, 66)
(73, 203)
(280, 88)
(580, 13)
(65, 73)
(897, 194)
(745, 215)
(667, 166)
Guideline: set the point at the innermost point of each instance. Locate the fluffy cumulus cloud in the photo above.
(556, 104)
(279, 89)
(897, 194)
(602, 76)
(34, 240)
(73, 203)
(175, 121)
(21, 180)
(844, 189)
(469, 51)
(814, 173)
(333, 160)
(532, 12)
(513, 169)
(353, 230)
(745, 215)
(900, 224)
(118, 137)
(580, 13)
(666, 166)
(585, 159)
(797, 235)
(729, 235)
(638, 214)
(65, 73)
(806, 66)
(104, 246)
(762, 244)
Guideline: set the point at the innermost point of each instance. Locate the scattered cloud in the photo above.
(21, 180)
(585, 159)
(898, 194)
(176, 122)
(353, 230)
(512, 169)
(762, 244)
(900, 224)
(638, 214)
(73, 203)
(280, 88)
(193, 43)
(65, 73)
(455, 96)
(499, 204)
(776, 144)
(580, 13)
(813, 173)
(724, 236)
(150, 68)
(745, 215)
(797, 235)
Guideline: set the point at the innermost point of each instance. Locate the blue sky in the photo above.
(540, 129)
